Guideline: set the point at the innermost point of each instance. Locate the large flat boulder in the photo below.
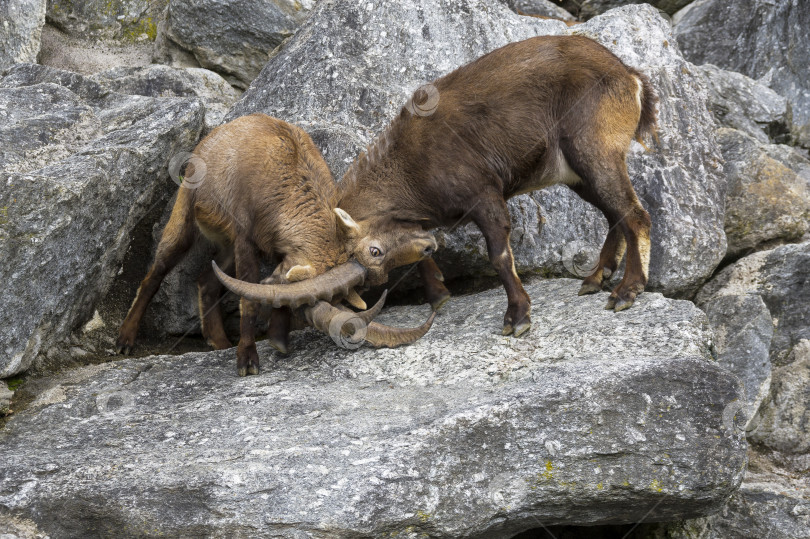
(763, 40)
(351, 67)
(81, 166)
(594, 417)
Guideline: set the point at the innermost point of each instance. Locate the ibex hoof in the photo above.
(242, 371)
(253, 369)
(123, 349)
(623, 304)
(519, 329)
(611, 303)
(589, 288)
(522, 327)
(439, 302)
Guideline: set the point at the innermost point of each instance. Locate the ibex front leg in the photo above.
(492, 217)
(247, 269)
(435, 291)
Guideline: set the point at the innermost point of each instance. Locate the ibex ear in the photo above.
(349, 225)
(299, 273)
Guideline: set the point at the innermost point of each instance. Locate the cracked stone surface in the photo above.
(594, 417)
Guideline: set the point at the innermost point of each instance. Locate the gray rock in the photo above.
(766, 201)
(784, 419)
(743, 331)
(126, 20)
(352, 66)
(743, 103)
(234, 39)
(544, 8)
(81, 166)
(781, 277)
(792, 157)
(21, 24)
(586, 9)
(87, 55)
(164, 81)
(772, 509)
(5, 399)
(764, 40)
(595, 417)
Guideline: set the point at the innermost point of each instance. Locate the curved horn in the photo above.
(379, 335)
(332, 321)
(339, 279)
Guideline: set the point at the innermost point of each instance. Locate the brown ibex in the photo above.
(260, 185)
(547, 110)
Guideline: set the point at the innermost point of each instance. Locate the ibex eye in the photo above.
(375, 252)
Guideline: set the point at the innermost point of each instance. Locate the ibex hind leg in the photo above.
(210, 296)
(608, 187)
(247, 269)
(278, 330)
(612, 251)
(177, 238)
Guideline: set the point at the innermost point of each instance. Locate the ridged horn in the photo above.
(333, 321)
(379, 335)
(337, 281)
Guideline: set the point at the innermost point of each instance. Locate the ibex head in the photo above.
(379, 250)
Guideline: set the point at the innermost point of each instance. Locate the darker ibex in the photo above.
(531, 114)
(260, 185)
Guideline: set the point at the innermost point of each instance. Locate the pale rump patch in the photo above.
(557, 171)
(566, 173)
(639, 91)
